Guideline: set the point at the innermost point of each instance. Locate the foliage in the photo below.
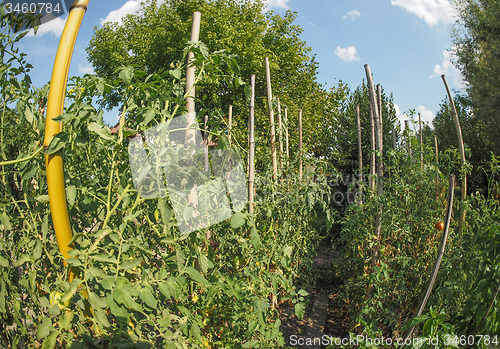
(140, 284)
(413, 202)
(476, 46)
(473, 130)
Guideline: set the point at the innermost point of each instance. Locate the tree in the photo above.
(154, 40)
(477, 51)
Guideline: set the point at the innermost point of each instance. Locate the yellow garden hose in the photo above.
(55, 104)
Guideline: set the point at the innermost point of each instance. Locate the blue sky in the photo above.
(406, 43)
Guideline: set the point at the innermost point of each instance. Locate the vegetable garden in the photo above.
(418, 256)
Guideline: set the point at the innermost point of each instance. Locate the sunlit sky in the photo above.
(406, 43)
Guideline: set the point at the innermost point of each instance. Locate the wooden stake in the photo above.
(408, 141)
(287, 147)
(230, 121)
(437, 166)
(251, 150)
(190, 134)
(462, 154)
(190, 80)
(271, 119)
(379, 166)
(372, 154)
(394, 145)
(280, 135)
(300, 143)
(360, 158)
(379, 100)
(205, 142)
(421, 144)
(449, 208)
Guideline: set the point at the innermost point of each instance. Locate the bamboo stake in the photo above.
(360, 158)
(251, 150)
(408, 142)
(379, 165)
(437, 166)
(190, 134)
(271, 119)
(287, 147)
(462, 154)
(372, 155)
(300, 143)
(394, 145)
(190, 79)
(230, 121)
(379, 100)
(205, 142)
(421, 144)
(442, 245)
(280, 135)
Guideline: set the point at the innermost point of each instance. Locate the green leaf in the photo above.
(58, 143)
(28, 114)
(22, 259)
(251, 344)
(237, 220)
(42, 198)
(195, 332)
(126, 75)
(176, 73)
(73, 286)
(71, 194)
(44, 328)
(4, 262)
(417, 320)
(101, 316)
(130, 263)
(96, 301)
(37, 250)
(62, 118)
(170, 289)
(196, 276)
(147, 297)
(103, 131)
(50, 341)
(4, 219)
(300, 309)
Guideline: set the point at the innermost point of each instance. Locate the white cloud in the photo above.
(348, 54)
(282, 4)
(130, 7)
(85, 69)
(448, 68)
(353, 14)
(54, 26)
(432, 12)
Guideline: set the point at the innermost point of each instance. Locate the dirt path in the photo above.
(326, 313)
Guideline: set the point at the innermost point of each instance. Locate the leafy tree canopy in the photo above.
(477, 42)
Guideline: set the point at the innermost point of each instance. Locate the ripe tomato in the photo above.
(439, 226)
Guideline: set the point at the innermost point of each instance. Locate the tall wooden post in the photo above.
(300, 143)
(360, 158)
(372, 154)
(280, 135)
(287, 145)
(421, 144)
(462, 155)
(379, 165)
(379, 103)
(190, 135)
(230, 122)
(271, 119)
(251, 142)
